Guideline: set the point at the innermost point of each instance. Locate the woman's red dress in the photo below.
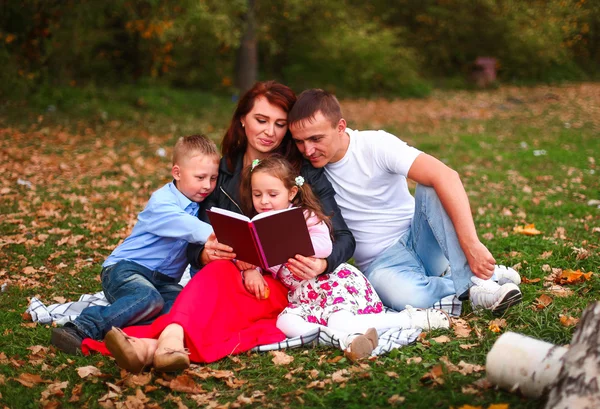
(218, 315)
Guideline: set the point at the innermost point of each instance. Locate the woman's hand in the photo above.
(306, 268)
(256, 284)
(213, 250)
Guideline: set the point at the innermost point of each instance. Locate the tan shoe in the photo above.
(362, 346)
(171, 355)
(129, 352)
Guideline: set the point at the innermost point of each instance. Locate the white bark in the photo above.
(517, 362)
(577, 386)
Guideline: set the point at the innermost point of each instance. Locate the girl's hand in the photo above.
(213, 250)
(256, 284)
(306, 268)
(242, 265)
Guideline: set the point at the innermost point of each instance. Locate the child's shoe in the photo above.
(427, 318)
(171, 354)
(130, 353)
(503, 275)
(68, 339)
(362, 346)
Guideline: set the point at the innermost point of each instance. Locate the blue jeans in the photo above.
(136, 294)
(410, 271)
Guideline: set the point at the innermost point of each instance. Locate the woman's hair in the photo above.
(235, 142)
(277, 166)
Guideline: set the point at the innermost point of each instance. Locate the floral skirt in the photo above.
(344, 289)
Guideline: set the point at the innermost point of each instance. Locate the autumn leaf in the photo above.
(86, 371)
(572, 277)
(526, 280)
(568, 321)
(527, 230)
(434, 375)
(396, 399)
(414, 359)
(461, 328)
(441, 339)
(499, 406)
(281, 358)
(543, 301)
(497, 324)
(29, 380)
(183, 383)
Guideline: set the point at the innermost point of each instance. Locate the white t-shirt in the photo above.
(371, 190)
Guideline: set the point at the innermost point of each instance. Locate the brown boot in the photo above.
(171, 354)
(362, 346)
(130, 353)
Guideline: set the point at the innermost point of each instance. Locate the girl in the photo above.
(343, 300)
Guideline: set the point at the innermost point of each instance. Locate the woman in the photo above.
(214, 316)
(258, 129)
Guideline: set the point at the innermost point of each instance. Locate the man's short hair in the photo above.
(192, 145)
(312, 101)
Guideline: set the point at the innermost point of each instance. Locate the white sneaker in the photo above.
(427, 318)
(489, 295)
(503, 275)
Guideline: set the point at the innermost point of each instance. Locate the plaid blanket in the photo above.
(389, 339)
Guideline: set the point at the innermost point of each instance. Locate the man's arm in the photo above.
(429, 171)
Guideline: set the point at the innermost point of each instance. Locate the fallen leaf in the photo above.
(499, 406)
(441, 339)
(560, 291)
(497, 324)
(545, 255)
(526, 280)
(29, 380)
(461, 328)
(391, 374)
(414, 360)
(469, 407)
(572, 277)
(394, 399)
(568, 321)
(543, 301)
(527, 230)
(185, 384)
(468, 346)
(281, 358)
(338, 376)
(138, 380)
(89, 370)
(434, 375)
(60, 300)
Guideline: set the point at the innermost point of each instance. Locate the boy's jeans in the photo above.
(409, 272)
(136, 294)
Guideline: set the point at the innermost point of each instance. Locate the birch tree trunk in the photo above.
(577, 385)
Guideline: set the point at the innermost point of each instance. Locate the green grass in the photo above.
(92, 174)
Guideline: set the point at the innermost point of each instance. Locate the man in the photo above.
(415, 251)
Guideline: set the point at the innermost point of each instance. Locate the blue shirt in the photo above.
(160, 237)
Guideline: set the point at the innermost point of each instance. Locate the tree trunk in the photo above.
(517, 362)
(577, 385)
(247, 58)
(570, 375)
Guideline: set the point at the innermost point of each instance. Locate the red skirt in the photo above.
(218, 315)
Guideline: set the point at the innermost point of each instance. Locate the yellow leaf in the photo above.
(527, 230)
(281, 358)
(543, 301)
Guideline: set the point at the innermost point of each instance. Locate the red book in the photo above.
(266, 240)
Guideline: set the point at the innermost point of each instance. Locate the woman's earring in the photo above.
(243, 125)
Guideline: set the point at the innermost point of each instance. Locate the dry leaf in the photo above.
(89, 370)
(527, 230)
(414, 359)
(526, 280)
(434, 375)
(469, 407)
(499, 406)
(545, 255)
(441, 339)
(461, 328)
(185, 384)
(281, 358)
(497, 324)
(394, 399)
(542, 301)
(572, 277)
(468, 346)
(338, 376)
(138, 380)
(29, 380)
(568, 321)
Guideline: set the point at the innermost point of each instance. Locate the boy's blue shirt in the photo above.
(160, 237)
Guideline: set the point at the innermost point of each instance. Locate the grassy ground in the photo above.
(77, 166)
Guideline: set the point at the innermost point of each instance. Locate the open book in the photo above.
(266, 240)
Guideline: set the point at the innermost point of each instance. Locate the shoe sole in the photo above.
(362, 346)
(123, 352)
(171, 363)
(65, 343)
(513, 297)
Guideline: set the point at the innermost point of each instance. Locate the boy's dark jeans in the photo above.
(136, 294)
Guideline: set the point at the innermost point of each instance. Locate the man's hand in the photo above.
(306, 268)
(213, 250)
(255, 284)
(481, 261)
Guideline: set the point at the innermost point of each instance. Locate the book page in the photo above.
(229, 213)
(271, 213)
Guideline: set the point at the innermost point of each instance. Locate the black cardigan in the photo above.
(226, 196)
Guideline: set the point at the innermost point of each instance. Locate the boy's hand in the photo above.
(256, 284)
(213, 250)
(242, 265)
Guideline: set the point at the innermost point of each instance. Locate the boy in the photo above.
(140, 278)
